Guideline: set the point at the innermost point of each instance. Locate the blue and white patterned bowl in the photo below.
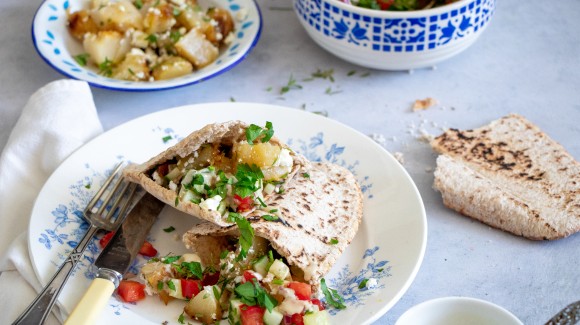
(57, 47)
(390, 40)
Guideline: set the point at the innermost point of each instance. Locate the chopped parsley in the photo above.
(152, 38)
(189, 270)
(252, 294)
(169, 229)
(333, 241)
(332, 296)
(268, 217)
(290, 85)
(181, 319)
(254, 132)
(363, 284)
(106, 68)
(323, 74)
(175, 36)
(305, 175)
(139, 4)
(246, 234)
(351, 73)
(82, 59)
(247, 177)
(329, 91)
(166, 138)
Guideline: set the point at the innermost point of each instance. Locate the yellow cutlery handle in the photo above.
(92, 303)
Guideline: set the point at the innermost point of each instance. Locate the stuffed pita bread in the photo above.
(310, 224)
(220, 168)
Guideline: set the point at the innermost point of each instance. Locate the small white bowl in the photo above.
(57, 47)
(394, 40)
(457, 311)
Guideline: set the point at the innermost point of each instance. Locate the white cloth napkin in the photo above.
(58, 119)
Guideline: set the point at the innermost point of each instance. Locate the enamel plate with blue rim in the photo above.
(388, 247)
(58, 47)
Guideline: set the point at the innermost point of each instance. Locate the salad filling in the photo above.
(251, 284)
(234, 176)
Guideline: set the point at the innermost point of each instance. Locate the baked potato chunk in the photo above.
(197, 49)
(172, 67)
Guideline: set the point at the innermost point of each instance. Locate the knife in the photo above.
(115, 259)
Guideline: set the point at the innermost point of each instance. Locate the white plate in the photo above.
(57, 47)
(389, 246)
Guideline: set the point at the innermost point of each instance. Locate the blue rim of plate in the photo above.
(192, 82)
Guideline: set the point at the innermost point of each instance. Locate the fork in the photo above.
(106, 216)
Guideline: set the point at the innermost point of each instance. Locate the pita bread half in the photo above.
(226, 133)
(511, 176)
(322, 209)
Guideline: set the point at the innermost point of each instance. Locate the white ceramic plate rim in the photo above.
(45, 9)
(396, 247)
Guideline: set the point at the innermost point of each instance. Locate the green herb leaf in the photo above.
(166, 138)
(169, 229)
(191, 269)
(332, 296)
(152, 38)
(278, 282)
(363, 284)
(290, 85)
(333, 241)
(254, 132)
(138, 4)
(82, 59)
(268, 217)
(246, 237)
(106, 68)
(305, 175)
(351, 72)
(324, 74)
(160, 285)
(171, 259)
(181, 319)
(247, 177)
(171, 285)
(224, 254)
(216, 292)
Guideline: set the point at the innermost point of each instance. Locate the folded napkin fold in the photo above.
(58, 119)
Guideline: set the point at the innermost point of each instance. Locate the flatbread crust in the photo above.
(227, 132)
(511, 176)
(322, 203)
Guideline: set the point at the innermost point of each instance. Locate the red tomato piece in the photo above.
(318, 303)
(106, 239)
(190, 288)
(252, 315)
(385, 4)
(249, 276)
(295, 319)
(303, 291)
(244, 204)
(147, 249)
(131, 291)
(162, 170)
(210, 279)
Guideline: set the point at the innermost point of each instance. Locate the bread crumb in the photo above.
(399, 157)
(378, 138)
(423, 104)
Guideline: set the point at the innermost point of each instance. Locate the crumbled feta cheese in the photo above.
(284, 158)
(372, 283)
(211, 204)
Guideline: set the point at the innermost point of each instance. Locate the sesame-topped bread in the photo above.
(512, 176)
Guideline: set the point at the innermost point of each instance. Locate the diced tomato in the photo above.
(295, 319)
(147, 249)
(131, 291)
(106, 239)
(210, 279)
(303, 291)
(190, 288)
(244, 204)
(249, 276)
(385, 4)
(162, 170)
(318, 303)
(252, 315)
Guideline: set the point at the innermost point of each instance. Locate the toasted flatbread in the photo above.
(511, 176)
(320, 213)
(217, 134)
